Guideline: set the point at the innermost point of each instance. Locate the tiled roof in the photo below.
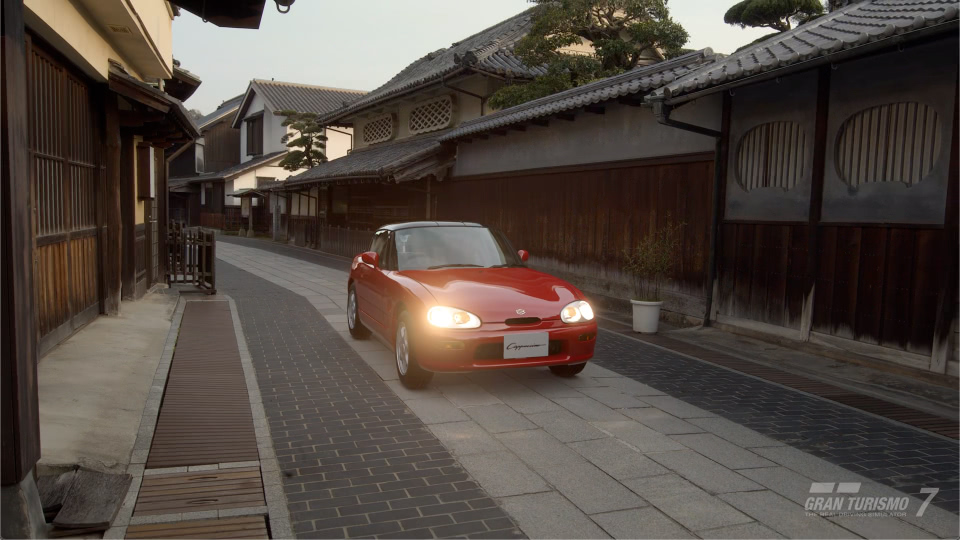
(855, 25)
(229, 171)
(638, 80)
(380, 161)
(222, 111)
(490, 50)
(279, 96)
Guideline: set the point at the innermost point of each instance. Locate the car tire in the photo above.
(568, 370)
(357, 329)
(411, 374)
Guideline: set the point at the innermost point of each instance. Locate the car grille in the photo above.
(494, 351)
(522, 320)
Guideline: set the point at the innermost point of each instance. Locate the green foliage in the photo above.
(779, 15)
(652, 261)
(307, 138)
(620, 31)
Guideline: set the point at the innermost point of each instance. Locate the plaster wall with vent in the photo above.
(757, 188)
(888, 148)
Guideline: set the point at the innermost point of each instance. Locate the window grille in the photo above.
(379, 129)
(771, 155)
(431, 115)
(896, 142)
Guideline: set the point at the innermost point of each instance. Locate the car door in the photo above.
(367, 299)
(381, 284)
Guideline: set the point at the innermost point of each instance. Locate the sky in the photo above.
(360, 44)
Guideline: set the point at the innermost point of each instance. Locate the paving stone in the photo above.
(722, 451)
(464, 438)
(566, 426)
(880, 527)
(595, 371)
(549, 515)
(685, 503)
(734, 532)
(617, 459)
(733, 432)
(589, 409)
(613, 397)
(641, 523)
(467, 395)
(783, 516)
(498, 418)
(640, 436)
(782, 481)
(633, 387)
(676, 407)
(502, 474)
(407, 394)
(581, 482)
(662, 422)
(551, 388)
(709, 475)
(435, 410)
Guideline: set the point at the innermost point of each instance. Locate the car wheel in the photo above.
(568, 370)
(357, 329)
(411, 374)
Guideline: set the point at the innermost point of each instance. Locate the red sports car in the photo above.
(452, 296)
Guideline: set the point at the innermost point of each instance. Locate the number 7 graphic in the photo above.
(933, 493)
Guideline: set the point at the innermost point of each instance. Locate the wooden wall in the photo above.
(221, 147)
(590, 216)
(185, 164)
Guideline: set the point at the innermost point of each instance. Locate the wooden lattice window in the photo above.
(896, 142)
(379, 129)
(771, 155)
(431, 115)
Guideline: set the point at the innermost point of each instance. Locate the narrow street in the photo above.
(645, 443)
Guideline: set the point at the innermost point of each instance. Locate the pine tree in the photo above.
(307, 141)
(779, 15)
(621, 31)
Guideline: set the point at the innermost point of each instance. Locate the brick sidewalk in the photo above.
(355, 461)
(602, 453)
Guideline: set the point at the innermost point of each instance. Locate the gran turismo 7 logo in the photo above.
(843, 499)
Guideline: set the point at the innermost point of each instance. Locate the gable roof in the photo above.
(638, 80)
(398, 161)
(489, 51)
(229, 171)
(221, 112)
(279, 95)
(846, 29)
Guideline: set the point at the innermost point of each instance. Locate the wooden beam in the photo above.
(569, 117)
(500, 132)
(947, 301)
(19, 404)
(518, 127)
(128, 202)
(542, 122)
(594, 109)
(137, 118)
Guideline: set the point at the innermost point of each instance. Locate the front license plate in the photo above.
(529, 345)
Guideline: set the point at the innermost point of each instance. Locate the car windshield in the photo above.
(430, 248)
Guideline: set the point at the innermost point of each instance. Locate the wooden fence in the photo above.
(192, 256)
(344, 242)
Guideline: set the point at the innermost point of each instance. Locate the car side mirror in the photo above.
(371, 258)
(524, 255)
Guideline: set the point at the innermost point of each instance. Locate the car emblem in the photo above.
(521, 311)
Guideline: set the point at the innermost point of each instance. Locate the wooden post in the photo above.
(110, 200)
(816, 200)
(428, 200)
(128, 201)
(22, 515)
(947, 302)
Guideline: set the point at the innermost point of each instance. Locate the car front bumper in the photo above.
(467, 350)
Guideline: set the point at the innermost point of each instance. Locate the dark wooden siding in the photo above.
(591, 216)
(184, 164)
(221, 147)
(761, 272)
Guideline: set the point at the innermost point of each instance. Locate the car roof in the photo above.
(417, 224)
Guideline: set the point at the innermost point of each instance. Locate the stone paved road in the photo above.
(601, 454)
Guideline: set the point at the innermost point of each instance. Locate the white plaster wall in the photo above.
(273, 130)
(622, 133)
(248, 180)
(338, 144)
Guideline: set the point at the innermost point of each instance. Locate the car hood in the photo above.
(495, 294)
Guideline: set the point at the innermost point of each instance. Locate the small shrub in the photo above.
(651, 262)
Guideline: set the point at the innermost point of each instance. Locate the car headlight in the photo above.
(578, 311)
(448, 317)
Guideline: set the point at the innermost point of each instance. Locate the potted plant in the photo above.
(649, 264)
